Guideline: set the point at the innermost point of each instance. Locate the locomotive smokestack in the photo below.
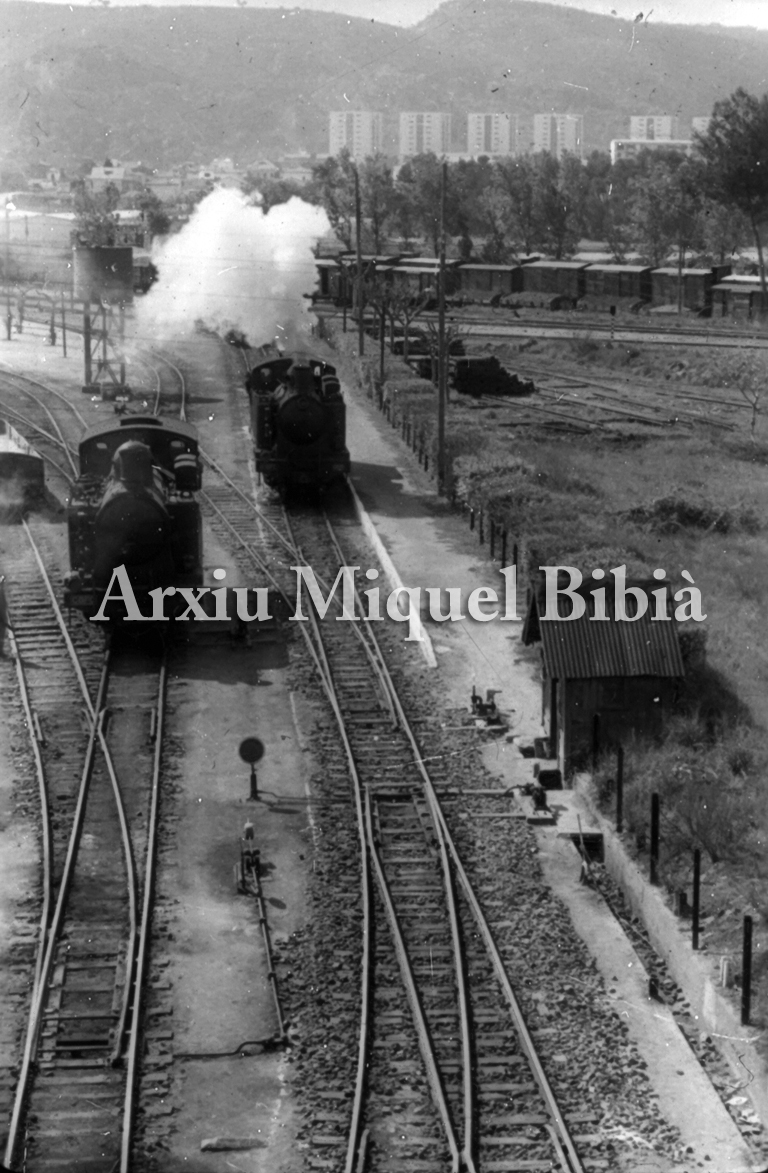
(302, 378)
(132, 464)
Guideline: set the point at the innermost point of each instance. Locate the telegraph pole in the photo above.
(359, 299)
(442, 363)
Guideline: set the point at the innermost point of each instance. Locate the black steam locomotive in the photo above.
(298, 421)
(134, 505)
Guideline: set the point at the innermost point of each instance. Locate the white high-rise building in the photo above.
(420, 133)
(654, 127)
(558, 134)
(359, 131)
(492, 134)
(701, 125)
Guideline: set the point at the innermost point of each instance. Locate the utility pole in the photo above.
(442, 363)
(359, 298)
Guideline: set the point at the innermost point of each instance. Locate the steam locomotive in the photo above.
(298, 421)
(134, 505)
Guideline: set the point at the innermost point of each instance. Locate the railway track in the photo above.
(439, 1020)
(95, 722)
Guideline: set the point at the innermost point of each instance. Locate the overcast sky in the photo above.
(407, 12)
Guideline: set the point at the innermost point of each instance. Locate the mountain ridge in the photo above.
(166, 85)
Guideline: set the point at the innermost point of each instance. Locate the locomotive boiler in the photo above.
(298, 422)
(134, 505)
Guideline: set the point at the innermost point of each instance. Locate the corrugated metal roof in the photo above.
(584, 648)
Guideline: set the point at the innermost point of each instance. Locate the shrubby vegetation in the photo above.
(659, 203)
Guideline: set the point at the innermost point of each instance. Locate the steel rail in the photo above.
(22, 419)
(632, 403)
(371, 852)
(62, 443)
(142, 957)
(569, 1159)
(355, 1150)
(294, 553)
(431, 1063)
(212, 463)
(38, 1002)
(45, 809)
(183, 408)
(48, 390)
(469, 1150)
(355, 1157)
(95, 716)
(96, 734)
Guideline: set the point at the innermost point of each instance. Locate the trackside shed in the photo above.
(603, 680)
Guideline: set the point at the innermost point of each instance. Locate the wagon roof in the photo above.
(492, 268)
(620, 268)
(558, 265)
(672, 271)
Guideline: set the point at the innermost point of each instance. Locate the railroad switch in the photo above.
(250, 864)
(485, 708)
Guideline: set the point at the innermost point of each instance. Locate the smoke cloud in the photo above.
(234, 266)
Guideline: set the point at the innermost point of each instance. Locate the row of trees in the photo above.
(659, 203)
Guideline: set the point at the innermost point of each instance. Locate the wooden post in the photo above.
(382, 342)
(696, 899)
(359, 291)
(87, 343)
(63, 326)
(746, 972)
(619, 790)
(654, 839)
(442, 364)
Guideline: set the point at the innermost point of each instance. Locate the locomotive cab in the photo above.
(133, 505)
(298, 421)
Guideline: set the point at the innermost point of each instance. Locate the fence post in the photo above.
(619, 790)
(503, 547)
(746, 972)
(696, 899)
(492, 539)
(471, 517)
(481, 534)
(654, 839)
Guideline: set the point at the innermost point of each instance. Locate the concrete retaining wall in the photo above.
(693, 972)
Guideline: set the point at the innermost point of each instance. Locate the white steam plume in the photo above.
(235, 266)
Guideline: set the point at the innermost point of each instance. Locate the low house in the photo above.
(604, 679)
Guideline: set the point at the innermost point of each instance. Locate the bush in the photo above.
(670, 514)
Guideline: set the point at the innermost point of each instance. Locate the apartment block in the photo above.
(492, 134)
(559, 134)
(420, 133)
(360, 131)
(630, 148)
(654, 127)
(700, 125)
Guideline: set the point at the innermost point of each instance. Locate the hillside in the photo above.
(168, 84)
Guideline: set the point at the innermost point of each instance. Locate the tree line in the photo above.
(659, 203)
